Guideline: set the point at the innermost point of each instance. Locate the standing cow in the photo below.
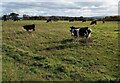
(83, 20)
(81, 32)
(71, 20)
(49, 20)
(103, 21)
(93, 22)
(29, 27)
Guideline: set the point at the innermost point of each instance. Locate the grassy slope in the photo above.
(49, 53)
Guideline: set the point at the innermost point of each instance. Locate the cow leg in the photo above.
(27, 29)
(95, 23)
(33, 29)
(74, 39)
(88, 39)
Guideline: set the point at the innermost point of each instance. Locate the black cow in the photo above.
(103, 21)
(49, 20)
(93, 22)
(81, 31)
(71, 20)
(29, 27)
(83, 20)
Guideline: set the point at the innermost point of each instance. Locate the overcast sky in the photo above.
(60, 7)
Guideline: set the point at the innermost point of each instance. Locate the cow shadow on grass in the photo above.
(58, 42)
(65, 41)
(72, 41)
(23, 32)
(64, 44)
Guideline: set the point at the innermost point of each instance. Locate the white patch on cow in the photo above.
(77, 32)
(90, 29)
(72, 32)
(88, 39)
(89, 35)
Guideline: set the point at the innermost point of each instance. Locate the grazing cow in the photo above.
(83, 20)
(81, 31)
(103, 21)
(93, 22)
(49, 20)
(71, 20)
(29, 27)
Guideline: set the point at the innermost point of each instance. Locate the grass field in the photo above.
(49, 53)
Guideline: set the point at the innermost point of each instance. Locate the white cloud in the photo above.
(61, 7)
(111, 1)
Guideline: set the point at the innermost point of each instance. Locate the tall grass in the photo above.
(50, 54)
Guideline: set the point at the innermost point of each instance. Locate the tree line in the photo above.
(15, 17)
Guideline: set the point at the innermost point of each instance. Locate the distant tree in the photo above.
(90, 19)
(54, 18)
(112, 18)
(71, 19)
(25, 17)
(5, 17)
(66, 18)
(81, 18)
(14, 16)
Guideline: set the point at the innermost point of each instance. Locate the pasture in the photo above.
(49, 53)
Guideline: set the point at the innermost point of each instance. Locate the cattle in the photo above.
(103, 21)
(83, 20)
(49, 20)
(93, 22)
(71, 20)
(81, 32)
(29, 27)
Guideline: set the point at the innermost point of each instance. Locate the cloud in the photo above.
(61, 7)
(64, 1)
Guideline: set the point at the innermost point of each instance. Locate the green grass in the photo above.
(50, 54)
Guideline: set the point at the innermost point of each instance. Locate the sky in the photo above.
(74, 8)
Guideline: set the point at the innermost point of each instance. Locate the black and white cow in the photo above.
(81, 32)
(49, 20)
(29, 27)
